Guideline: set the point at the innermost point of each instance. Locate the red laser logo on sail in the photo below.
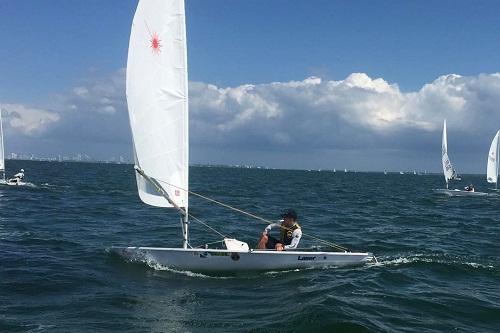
(155, 43)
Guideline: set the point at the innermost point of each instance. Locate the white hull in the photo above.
(460, 193)
(211, 260)
(12, 183)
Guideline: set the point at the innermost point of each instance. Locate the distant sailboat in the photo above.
(2, 152)
(449, 172)
(157, 97)
(492, 165)
(17, 179)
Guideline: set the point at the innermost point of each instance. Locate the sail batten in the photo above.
(157, 98)
(492, 164)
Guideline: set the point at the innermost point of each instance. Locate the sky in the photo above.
(302, 84)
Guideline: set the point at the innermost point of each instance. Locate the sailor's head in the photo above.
(289, 216)
(22, 170)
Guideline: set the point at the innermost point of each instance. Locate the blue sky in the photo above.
(50, 49)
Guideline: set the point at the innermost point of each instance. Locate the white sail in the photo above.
(492, 168)
(449, 172)
(157, 97)
(2, 153)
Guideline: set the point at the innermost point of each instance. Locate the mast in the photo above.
(185, 230)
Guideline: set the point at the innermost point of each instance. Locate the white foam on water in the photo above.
(432, 258)
(476, 265)
(159, 267)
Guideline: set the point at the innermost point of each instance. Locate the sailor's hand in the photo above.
(279, 247)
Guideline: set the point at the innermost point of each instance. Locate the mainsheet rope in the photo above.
(333, 245)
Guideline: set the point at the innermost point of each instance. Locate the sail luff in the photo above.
(492, 163)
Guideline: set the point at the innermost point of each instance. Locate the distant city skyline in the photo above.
(78, 157)
(324, 84)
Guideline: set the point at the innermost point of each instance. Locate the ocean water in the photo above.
(438, 271)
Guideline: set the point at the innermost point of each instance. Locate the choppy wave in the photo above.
(438, 268)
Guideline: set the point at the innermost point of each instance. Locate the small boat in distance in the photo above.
(17, 180)
(2, 152)
(450, 173)
(492, 163)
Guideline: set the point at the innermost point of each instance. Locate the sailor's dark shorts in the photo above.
(271, 243)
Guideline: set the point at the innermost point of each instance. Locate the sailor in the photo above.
(469, 188)
(290, 233)
(17, 177)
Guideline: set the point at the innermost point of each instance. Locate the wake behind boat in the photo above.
(157, 96)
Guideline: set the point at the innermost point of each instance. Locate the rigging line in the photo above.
(160, 189)
(206, 225)
(333, 245)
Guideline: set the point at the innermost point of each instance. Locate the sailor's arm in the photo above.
(269, 227)
(296, 235)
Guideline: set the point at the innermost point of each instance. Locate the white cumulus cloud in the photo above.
(307, 117)
(27, 120)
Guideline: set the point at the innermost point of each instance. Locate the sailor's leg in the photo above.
(263, 241)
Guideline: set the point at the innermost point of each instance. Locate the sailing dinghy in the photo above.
(2, 152)
(3, 181)
(450, 173)
(492, 164)
(157, 97)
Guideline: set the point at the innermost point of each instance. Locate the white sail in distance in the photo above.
(492, 168)
(2, 152)
(157, 98)
(449, 172)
